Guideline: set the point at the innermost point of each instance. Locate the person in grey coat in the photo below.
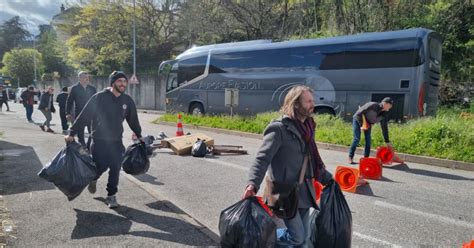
(285, 144)
(46, 106)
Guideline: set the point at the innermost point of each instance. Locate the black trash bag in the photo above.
(71, 170)
(246, 224)
(312, 226)
(135, 160)
(148, 140)
(334, 222)
(199, 148)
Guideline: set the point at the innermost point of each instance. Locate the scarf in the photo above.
(307, 131)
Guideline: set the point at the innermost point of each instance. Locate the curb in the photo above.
(151, 111)
(453, 164)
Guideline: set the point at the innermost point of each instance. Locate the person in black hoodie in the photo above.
(106, 111)
(366, 116)
(46, 107)
(79, 95)
(61, 100)
(3, 98)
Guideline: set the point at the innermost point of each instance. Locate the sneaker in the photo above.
(49, 130)
(42, 127)
(92, 187)
(350, 160)
(111, 201)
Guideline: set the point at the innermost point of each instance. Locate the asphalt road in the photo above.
(415, 205)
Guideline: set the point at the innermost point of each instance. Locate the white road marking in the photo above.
(235, 166)
(374, 240)
(436, 217)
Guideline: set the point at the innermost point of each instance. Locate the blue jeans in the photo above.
(356, 140)
(295, 233)
(29, 112)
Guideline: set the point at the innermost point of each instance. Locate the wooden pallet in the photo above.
(230, 149)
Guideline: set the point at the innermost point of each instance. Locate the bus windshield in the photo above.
(168, 70)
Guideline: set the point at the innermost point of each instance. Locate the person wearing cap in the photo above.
(106, 111)
(61, 100)
(46, 107)
(78, 97)
(366, 116)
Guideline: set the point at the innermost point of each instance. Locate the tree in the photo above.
(50, 48)
(155, 32)
(19, 64)
(455, 24)
(216, 26)
(104, 39)
(262, 19)
(12, 33)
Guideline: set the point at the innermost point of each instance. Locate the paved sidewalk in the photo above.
(42, 216)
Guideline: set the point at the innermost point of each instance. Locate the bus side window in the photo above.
(189, 69)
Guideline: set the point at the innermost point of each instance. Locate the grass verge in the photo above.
(449, 135)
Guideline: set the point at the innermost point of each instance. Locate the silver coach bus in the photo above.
(344, 72)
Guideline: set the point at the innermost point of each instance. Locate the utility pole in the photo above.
(34, 58)
(133, 79)
(134, 42)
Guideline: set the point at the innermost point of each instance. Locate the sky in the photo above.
(32, 12)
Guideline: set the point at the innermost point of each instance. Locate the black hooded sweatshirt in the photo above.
(107, 113)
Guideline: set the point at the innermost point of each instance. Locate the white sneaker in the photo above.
(111, 201)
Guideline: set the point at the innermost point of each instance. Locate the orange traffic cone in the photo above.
(348, 178)
(179, 132)
(371, 168)
(397, 159)
(387, 155)
(468, 244)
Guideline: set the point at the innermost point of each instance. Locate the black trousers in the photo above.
(108, 155)
(6, 103)
(62, 114)
(81, 137)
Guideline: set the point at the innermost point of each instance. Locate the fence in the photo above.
(149, 94)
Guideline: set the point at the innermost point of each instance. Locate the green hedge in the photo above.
(449, 135)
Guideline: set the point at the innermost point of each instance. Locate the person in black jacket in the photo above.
(28, 99)
(79, 95)
(366, 116)
(3, 98)
(61, 100)
(46, 107)
(106, 111)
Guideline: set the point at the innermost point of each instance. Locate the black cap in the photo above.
(116, 75)
(388, 100)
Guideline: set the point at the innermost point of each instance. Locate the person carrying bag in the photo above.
(287, 151)
(281, 197)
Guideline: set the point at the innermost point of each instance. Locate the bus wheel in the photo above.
(196, 109)
(324, 111)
